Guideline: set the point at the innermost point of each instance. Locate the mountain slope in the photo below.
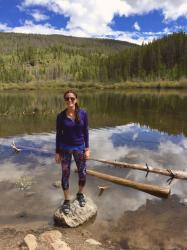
(26, 58)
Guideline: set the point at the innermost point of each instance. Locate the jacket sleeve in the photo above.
(86, 133)
(58, 133)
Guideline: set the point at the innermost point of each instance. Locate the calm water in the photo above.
(134, 126)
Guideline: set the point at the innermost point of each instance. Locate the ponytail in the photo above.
(77, 116)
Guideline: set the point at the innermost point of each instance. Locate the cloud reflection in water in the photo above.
(131, 143)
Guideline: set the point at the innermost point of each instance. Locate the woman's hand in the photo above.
(58, 158)
(86, 154)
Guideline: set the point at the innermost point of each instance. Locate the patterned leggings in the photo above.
(66, 163)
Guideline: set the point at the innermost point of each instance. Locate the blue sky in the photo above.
(129, 20)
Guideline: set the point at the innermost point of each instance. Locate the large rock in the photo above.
(54, 239)
(60, 245)
(51, 236)
(31, 241)
(78, 215)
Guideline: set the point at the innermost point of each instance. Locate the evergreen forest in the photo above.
(33, 58)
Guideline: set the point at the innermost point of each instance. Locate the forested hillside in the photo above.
(30, 57)
(163, 59)
(26, 58)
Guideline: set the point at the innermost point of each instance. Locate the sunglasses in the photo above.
(69, 98)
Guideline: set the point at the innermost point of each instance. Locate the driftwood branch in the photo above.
(102, 189)
(162, 192)
(13, 146)
(178, 174)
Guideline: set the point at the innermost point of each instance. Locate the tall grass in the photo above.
(56, 85)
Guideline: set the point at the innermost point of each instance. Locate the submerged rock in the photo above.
(78, 215)
(57, 184)
(24, 183)
(183, 201)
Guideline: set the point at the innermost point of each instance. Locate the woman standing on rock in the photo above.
(72, 138)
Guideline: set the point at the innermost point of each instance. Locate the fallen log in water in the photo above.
(178, 174)
(162, 192)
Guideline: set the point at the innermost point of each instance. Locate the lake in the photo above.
(135, 126)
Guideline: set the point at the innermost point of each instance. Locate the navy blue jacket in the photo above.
(70, 132)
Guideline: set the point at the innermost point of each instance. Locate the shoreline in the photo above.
(149, 226)
(61, 85)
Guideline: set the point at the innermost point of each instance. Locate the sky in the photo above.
(134, 21)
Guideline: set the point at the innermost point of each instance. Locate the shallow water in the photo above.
(133, 127)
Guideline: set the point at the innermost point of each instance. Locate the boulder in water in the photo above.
(77, 215)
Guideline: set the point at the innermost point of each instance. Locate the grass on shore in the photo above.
(55, 85)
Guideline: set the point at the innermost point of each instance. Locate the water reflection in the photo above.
(141, 136)
(36, 112)
(107, 143)
(127, 126)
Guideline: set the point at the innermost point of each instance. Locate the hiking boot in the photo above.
(81, 199)
(65, 207)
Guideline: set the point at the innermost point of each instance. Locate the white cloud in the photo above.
(137, 26)
(4, 27)
(132, 37)
(30, 27)
(38, 16)
(104, 11)
(92, 18)
(166, 30)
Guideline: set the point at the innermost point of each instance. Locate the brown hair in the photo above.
(77, 117)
